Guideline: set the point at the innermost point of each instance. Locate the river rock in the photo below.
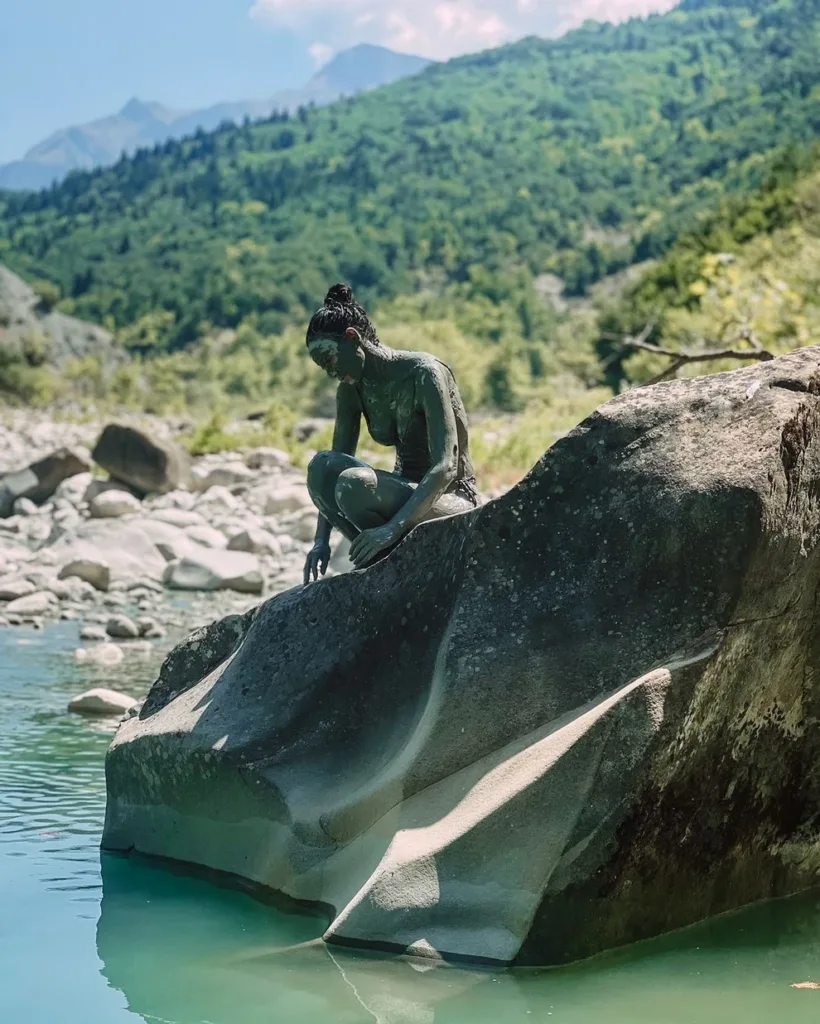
(217, 500)
(257, 542)
(102, 654)
(150, 628)
(71, 589)
(101, 701)
(90, 631)
(120, 627)
(291, 497)
(181, 499)
(41, 479)
(208, 569)
(148, 464)
(74, 489)
(578, 716)
(229, 475)
(39, 603)
(267, 458)
(14, 587)
(179, 517)
(125, 546)
(112, 504)
(93, 571)
(301, 525)
(25, 507)
(207, 536)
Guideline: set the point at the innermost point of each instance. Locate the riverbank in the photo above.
(131, 570)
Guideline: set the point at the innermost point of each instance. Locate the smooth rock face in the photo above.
(101, 701)
(584, 714)
(149, 465)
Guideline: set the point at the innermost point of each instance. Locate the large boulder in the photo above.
(581, 715)
(40, 480)
(147, 464)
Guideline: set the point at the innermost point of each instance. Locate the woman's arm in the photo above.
(434, 396)
(442, 441)
(345, 439)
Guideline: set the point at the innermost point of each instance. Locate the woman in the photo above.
(409, 400)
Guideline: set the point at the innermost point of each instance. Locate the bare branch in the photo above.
(700, 355)
(682, 357)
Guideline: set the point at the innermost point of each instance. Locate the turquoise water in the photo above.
(85, 943)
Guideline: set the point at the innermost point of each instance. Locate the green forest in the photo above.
(519, 212)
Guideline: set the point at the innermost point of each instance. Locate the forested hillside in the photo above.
(575, 156)
(746, 278)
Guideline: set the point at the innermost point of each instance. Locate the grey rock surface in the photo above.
(150, 465)
(120, 627)
(209, 569)
(41, 479)
(113, 504)
(584, 714)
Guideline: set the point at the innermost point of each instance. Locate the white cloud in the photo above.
(320, 53)
(440, 28)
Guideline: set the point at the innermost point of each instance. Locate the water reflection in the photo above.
(179, 950)
(184, 951)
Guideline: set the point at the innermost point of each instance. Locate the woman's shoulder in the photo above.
(421, 366)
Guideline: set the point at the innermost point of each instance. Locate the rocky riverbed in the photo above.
(133, 567)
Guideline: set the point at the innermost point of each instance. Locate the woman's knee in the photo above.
(355, 489)
(323, 471)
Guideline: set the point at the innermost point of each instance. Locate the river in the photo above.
(91, 940)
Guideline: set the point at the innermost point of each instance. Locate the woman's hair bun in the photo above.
(341, 294)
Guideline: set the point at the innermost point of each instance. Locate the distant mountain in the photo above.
(141, 124)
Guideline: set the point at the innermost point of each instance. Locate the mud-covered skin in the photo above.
(409, 401)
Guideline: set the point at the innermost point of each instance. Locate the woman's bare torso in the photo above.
(395, 417)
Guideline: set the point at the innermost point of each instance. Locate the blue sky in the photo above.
(64, 62)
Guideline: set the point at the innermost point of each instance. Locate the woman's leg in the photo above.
(353, 496)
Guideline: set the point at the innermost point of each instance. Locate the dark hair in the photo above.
(339, 312)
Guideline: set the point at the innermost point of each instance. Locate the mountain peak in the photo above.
(136, 110)
(365, 66)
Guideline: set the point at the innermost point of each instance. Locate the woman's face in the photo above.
(342, 360)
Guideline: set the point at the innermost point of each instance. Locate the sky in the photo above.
(65, 62)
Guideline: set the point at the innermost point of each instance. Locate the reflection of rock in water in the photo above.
(184, 951)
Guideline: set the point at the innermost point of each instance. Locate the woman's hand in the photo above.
(371, 543)
(316, 561)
